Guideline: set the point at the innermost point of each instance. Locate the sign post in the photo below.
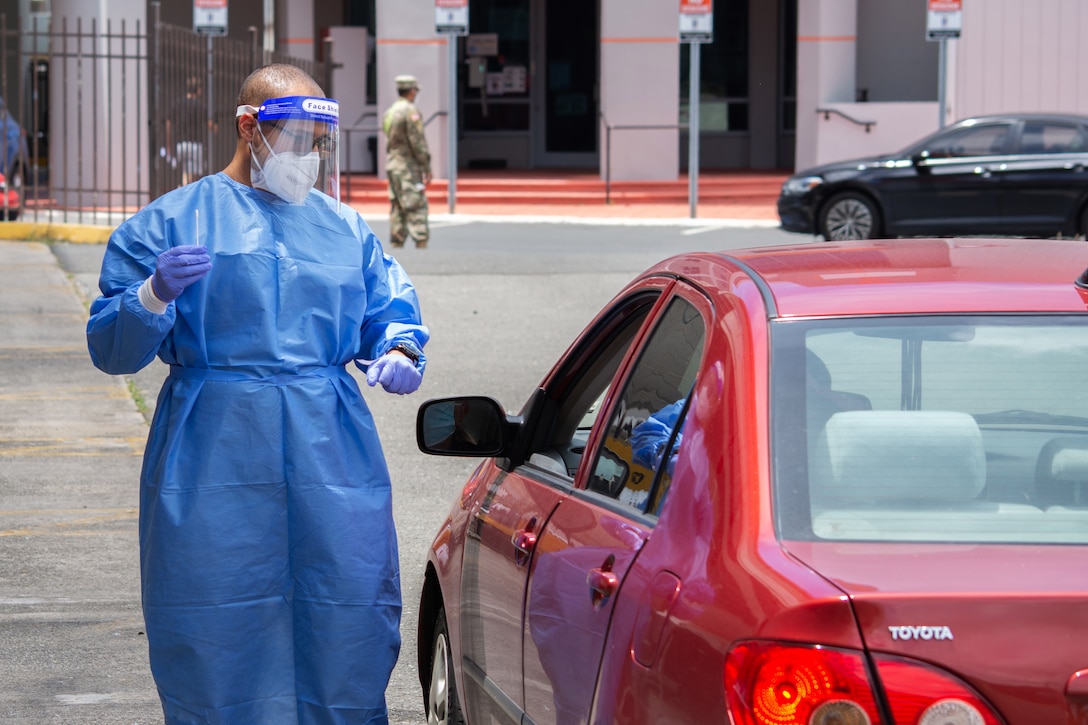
(696, 28)
(944, 20)
(451, 20)
(210, 20)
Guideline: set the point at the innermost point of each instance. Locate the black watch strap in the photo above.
(407, 352)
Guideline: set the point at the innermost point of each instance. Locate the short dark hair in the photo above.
(273, 81)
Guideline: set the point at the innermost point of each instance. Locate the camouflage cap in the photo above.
(406, 83)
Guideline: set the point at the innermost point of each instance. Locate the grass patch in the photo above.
(138, 397)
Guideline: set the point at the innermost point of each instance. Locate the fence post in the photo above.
(328, 68)
(154, 117)
(255, 46)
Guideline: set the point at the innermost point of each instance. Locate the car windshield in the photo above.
(932, 429)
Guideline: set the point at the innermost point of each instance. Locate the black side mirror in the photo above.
(1082, 281)
(919, 159)
(471, 427)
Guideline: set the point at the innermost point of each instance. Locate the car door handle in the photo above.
(524, 542)
(1077, 685)
(602, 583)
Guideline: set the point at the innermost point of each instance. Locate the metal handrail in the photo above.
(608, 147)
(827, 116)
(435, 115)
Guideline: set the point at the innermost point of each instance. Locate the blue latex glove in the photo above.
(395, 372)
(177, 268)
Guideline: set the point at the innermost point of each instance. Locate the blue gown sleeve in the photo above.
(649, 437)
(122, 335)
(392, 315)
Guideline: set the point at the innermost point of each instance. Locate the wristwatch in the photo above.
(407, 352)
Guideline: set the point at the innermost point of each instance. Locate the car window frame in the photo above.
(920, 151)
(545, 409)
(698, 299)
(1080, 128)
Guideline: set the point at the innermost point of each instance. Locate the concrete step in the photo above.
(514, 189)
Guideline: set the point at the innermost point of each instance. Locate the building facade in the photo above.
(603, 84)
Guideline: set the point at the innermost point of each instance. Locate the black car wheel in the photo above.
(443, 707)
(849, 216)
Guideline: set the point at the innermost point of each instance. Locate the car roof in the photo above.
(906, 276)
(1024, 117)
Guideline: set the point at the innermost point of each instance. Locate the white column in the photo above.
(640, 86)
(408, 45)
(295, 28)
(826, 67)
(86, 118)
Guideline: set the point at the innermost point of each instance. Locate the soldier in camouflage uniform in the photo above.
(408, 167)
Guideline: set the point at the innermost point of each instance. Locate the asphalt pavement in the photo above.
(503, 303)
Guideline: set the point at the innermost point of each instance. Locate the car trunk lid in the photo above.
(1012, 621)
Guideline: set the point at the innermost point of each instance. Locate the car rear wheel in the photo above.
(849, 216)
(443, 707)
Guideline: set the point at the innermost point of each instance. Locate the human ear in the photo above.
(247, 126)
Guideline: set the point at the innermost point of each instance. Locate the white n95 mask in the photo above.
(288, 175)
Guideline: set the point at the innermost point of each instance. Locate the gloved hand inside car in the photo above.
(177, 268)
(395, 372)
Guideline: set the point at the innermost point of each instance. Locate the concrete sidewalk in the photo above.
(71, 439)
(95, 226)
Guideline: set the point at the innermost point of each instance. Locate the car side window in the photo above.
(635, 461)
(974, 141)
(1052, 138)
(575, 398)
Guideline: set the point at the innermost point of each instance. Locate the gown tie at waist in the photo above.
(237, 376)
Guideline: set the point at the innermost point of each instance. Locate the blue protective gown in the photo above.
(270, 580)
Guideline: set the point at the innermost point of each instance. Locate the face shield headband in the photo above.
(295, 148)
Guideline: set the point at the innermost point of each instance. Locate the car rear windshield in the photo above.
(931, 429)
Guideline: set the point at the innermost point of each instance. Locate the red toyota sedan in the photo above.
(824, 484)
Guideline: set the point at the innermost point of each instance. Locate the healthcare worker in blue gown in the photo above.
(270, 580)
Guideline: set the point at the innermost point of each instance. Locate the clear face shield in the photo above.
(295, 148)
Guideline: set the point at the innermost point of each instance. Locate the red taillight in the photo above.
(922, 695)
(779, 684)
(769, 683)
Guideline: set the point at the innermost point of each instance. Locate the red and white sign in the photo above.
(210, 17)
(451, 17)
(696, 21)
(944, 19)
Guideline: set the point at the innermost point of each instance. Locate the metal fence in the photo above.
(111, 117)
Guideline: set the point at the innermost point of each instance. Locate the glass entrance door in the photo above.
(566, 42)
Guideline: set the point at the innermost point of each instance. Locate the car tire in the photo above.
(848, 216)
(443, 705)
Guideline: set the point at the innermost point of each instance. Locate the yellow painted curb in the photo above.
(76, 233)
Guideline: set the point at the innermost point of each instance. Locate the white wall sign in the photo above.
(210, 17)
(944, 19)
(482, 44)
(515, 79)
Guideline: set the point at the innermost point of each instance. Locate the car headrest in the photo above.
(920, 458)
(1062, 461)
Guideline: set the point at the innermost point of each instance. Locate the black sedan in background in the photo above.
(1021, 175)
